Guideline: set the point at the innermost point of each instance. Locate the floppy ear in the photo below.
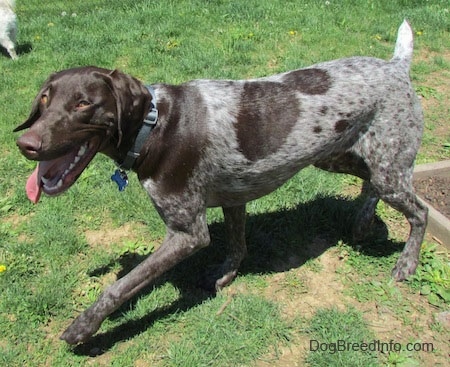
(35, 113)
(132, 102)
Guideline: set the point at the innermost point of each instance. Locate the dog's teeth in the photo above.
(44, 180)
(82, 150)
(77, 159)
(70, 167)
(59, 184)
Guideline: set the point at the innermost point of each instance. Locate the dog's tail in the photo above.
(404, 45)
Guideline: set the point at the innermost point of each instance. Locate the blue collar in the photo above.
(147, 127)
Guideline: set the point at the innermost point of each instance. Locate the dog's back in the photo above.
(8, 26)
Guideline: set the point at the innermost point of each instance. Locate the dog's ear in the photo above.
(35, 111)
(34, 114)
(132, 101)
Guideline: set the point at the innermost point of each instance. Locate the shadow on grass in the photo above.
(277, 242)
(21, 49)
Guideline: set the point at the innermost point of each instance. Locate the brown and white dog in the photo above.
(224, 143)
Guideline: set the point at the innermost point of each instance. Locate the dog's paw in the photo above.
(225, 280)
(404, 269)
(81, 329)
(215, 281)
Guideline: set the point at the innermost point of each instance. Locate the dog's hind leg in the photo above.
(396, 190)
(366, 215)
(389, 151)
(236, 246)
(392, 183)
(353, 164)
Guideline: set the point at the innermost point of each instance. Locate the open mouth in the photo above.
(57, 175)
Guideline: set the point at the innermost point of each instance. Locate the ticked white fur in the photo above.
(8, 27)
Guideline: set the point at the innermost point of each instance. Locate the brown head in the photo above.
(77, 113)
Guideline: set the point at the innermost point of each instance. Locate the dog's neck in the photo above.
(145, 130)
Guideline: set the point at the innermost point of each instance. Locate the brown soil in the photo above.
(436, 191)
(325, 289)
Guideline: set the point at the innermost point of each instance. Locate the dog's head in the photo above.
(77, 113)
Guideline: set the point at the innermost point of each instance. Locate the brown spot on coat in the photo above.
(309, 81)
(268, 112)
(317, 129)
(174, 149)
(341, 125)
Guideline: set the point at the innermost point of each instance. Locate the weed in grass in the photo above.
(432, 277)
(401, 359)
(385, 292)
(135, 247)
(427, 92)
(89, 292)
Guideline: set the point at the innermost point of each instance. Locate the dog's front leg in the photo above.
(178, 245)
(237, 249)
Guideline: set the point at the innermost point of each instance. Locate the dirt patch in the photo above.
(108, 235)
(436, 191)
(300, 293)
(16, 220)
(326, 288)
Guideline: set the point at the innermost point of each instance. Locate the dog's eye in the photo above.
(44, 99)
(82, 105)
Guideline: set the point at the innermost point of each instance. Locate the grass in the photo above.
(331, 331)
(239, 335)
(57, 257)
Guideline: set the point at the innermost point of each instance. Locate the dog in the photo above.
(8, 27)
(209, 143)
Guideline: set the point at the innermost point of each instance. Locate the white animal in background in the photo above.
(8, 27)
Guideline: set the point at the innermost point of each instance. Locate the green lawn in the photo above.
(56, 257)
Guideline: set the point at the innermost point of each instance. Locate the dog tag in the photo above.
(120, 178)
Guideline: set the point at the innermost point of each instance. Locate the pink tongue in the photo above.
(33, 188)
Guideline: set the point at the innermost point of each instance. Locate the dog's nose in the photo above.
(30, 144)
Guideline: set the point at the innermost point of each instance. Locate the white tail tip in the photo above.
(405, 43)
